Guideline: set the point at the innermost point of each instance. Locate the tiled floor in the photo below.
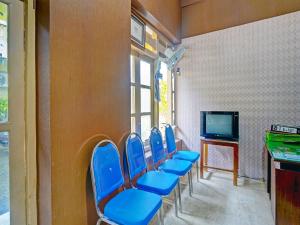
(216, 201)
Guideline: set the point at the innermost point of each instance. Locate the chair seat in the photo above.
(158, 182)
(187, 155)
(176, 166)
(133, 207)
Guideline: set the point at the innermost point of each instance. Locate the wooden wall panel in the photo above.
(167, 12)
(89, 99)
(211, 15)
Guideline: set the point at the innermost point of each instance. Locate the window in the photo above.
(141, 95)
(145, 112)
(167, 96)
(151, 41)
(13, 168)
(4, 135)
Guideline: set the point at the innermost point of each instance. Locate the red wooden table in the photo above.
(204, 156)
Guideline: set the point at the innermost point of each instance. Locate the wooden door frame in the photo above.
(30, 114)
(22, 112)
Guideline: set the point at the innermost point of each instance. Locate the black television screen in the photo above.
(219, 125)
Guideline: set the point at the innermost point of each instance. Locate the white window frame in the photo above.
(16, 112)
(137, 58)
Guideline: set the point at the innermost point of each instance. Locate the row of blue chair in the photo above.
(140, 203)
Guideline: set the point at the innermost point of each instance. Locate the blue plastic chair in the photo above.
(129, 207)
(157, 182)
(190, 156)
(175, 166)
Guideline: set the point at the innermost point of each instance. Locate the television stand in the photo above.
(204, 156)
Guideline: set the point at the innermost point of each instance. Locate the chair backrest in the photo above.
(157, 146)
(170, 139)
(106, 170)
(135, 155)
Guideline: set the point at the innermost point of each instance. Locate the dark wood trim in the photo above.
(283, 179)
(43, 132)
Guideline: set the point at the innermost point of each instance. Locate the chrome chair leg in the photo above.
(161, 212)
(190, 188)
(179, 196)
(197, 167)
(175, 203)
(99, 221)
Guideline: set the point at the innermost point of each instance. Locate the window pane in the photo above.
(132, 99)
(145, 127)
(145, 73)
(145, 100)
(132, 69)
(133, 124)
(4, 178)
(151, 40)
(165, 103)
(3, 64)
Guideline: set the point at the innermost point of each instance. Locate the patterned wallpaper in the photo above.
(253, 69)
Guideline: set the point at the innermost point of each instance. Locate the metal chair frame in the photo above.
(100, 214)
(197, 162)
(189, 173)
(165, 199)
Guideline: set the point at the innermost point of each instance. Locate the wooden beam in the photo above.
(138, 9)
(185, 3)
(212, 15)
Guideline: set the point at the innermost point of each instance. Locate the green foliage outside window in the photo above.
(163, 108)
(3, 109)
(3, 11)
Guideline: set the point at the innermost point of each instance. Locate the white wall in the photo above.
(253, 69)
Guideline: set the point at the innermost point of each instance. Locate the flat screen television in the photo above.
(219, 125)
